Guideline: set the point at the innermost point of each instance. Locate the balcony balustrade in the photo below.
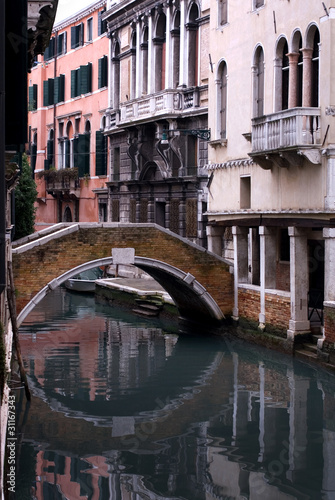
(169, 102)
(295, 130)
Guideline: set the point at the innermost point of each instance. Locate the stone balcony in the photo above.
(169, 103)
(286, 137)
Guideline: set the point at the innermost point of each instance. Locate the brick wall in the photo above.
(34, 268)
(277, 307)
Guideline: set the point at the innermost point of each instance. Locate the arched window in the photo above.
(116, 76)
(221, 99)
(285, 77)
(67, 216)
(176, 49)
(68, 146)
(132, 92)
(144, 48)
(315, 69)
(281, 75)
(258, 83)
(160, 51)
(193, 45)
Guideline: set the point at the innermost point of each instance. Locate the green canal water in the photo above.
(125, 408)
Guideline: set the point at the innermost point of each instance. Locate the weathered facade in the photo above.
(67, 90)
(156, 119)
(271, 160)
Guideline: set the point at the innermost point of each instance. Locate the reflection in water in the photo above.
(126, 409)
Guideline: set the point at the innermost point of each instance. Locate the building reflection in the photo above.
(234, 426)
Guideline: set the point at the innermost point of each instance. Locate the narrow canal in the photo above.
(126, 408)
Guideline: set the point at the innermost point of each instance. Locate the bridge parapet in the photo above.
(39, 262)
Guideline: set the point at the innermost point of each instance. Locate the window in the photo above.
(315, 70)
(245, 192)
(258, 3)
(81, 80)
(132, 92)
(50, 50)
(221, 107)
(49, 161)
(77, 36)
(102, 25)
(259, 82)
(222, 12)
(285, 76)
(193, 46)
(103, 72)
(159, 48)
(176, 49)
(90, 29)
(32, 105)
(61, 44)
(81, 154)
(116, 75)
(33, 153)
(101, 153)
(116, 168)
(53, 90)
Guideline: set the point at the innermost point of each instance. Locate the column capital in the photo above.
(293, 57)
(307, 53)
(296, 231)
(329, 232)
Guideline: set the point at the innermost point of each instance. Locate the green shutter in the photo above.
(81, 146)
(74, 77)
(100, 73)
(45, 93)
(85, 79)
(73, 37)
(59, 89)
(35, 95)
(51, 91)
(100, 154)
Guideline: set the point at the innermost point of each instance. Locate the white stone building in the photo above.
(271, 162)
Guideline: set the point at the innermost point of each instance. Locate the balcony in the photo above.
(168, 103)
(286, 137)
(63, 182)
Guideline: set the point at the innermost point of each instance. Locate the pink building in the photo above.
(68, 96)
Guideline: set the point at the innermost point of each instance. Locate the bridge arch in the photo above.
(191, 298)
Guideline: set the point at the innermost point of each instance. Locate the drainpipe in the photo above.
(2, 152)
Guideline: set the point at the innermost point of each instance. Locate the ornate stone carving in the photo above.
(312, 155)
(330, 111)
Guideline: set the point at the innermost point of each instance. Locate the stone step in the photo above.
(306, 354)
(310, 347)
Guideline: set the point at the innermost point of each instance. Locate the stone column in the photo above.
(299, 282)
(214, 238)
(240, 239)
(293, 58)
(330, 189)
(329, 290)
(268, 255)
(307, 77)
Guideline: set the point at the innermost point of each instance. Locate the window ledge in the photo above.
(218, 143)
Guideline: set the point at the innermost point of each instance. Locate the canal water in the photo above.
(125, 408)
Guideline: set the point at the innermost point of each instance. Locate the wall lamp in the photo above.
(204, 134)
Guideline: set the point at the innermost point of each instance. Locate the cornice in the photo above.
(79, 15)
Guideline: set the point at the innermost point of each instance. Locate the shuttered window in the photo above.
(50, 50)
(32, 98)
(102, 77)
(102, 25)
(81, 153)
(100, 153)
(77, 36)
(81, 80)
(53, 90)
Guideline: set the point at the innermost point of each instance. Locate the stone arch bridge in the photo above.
(199, 282)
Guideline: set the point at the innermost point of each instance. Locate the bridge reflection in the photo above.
(123, 410)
